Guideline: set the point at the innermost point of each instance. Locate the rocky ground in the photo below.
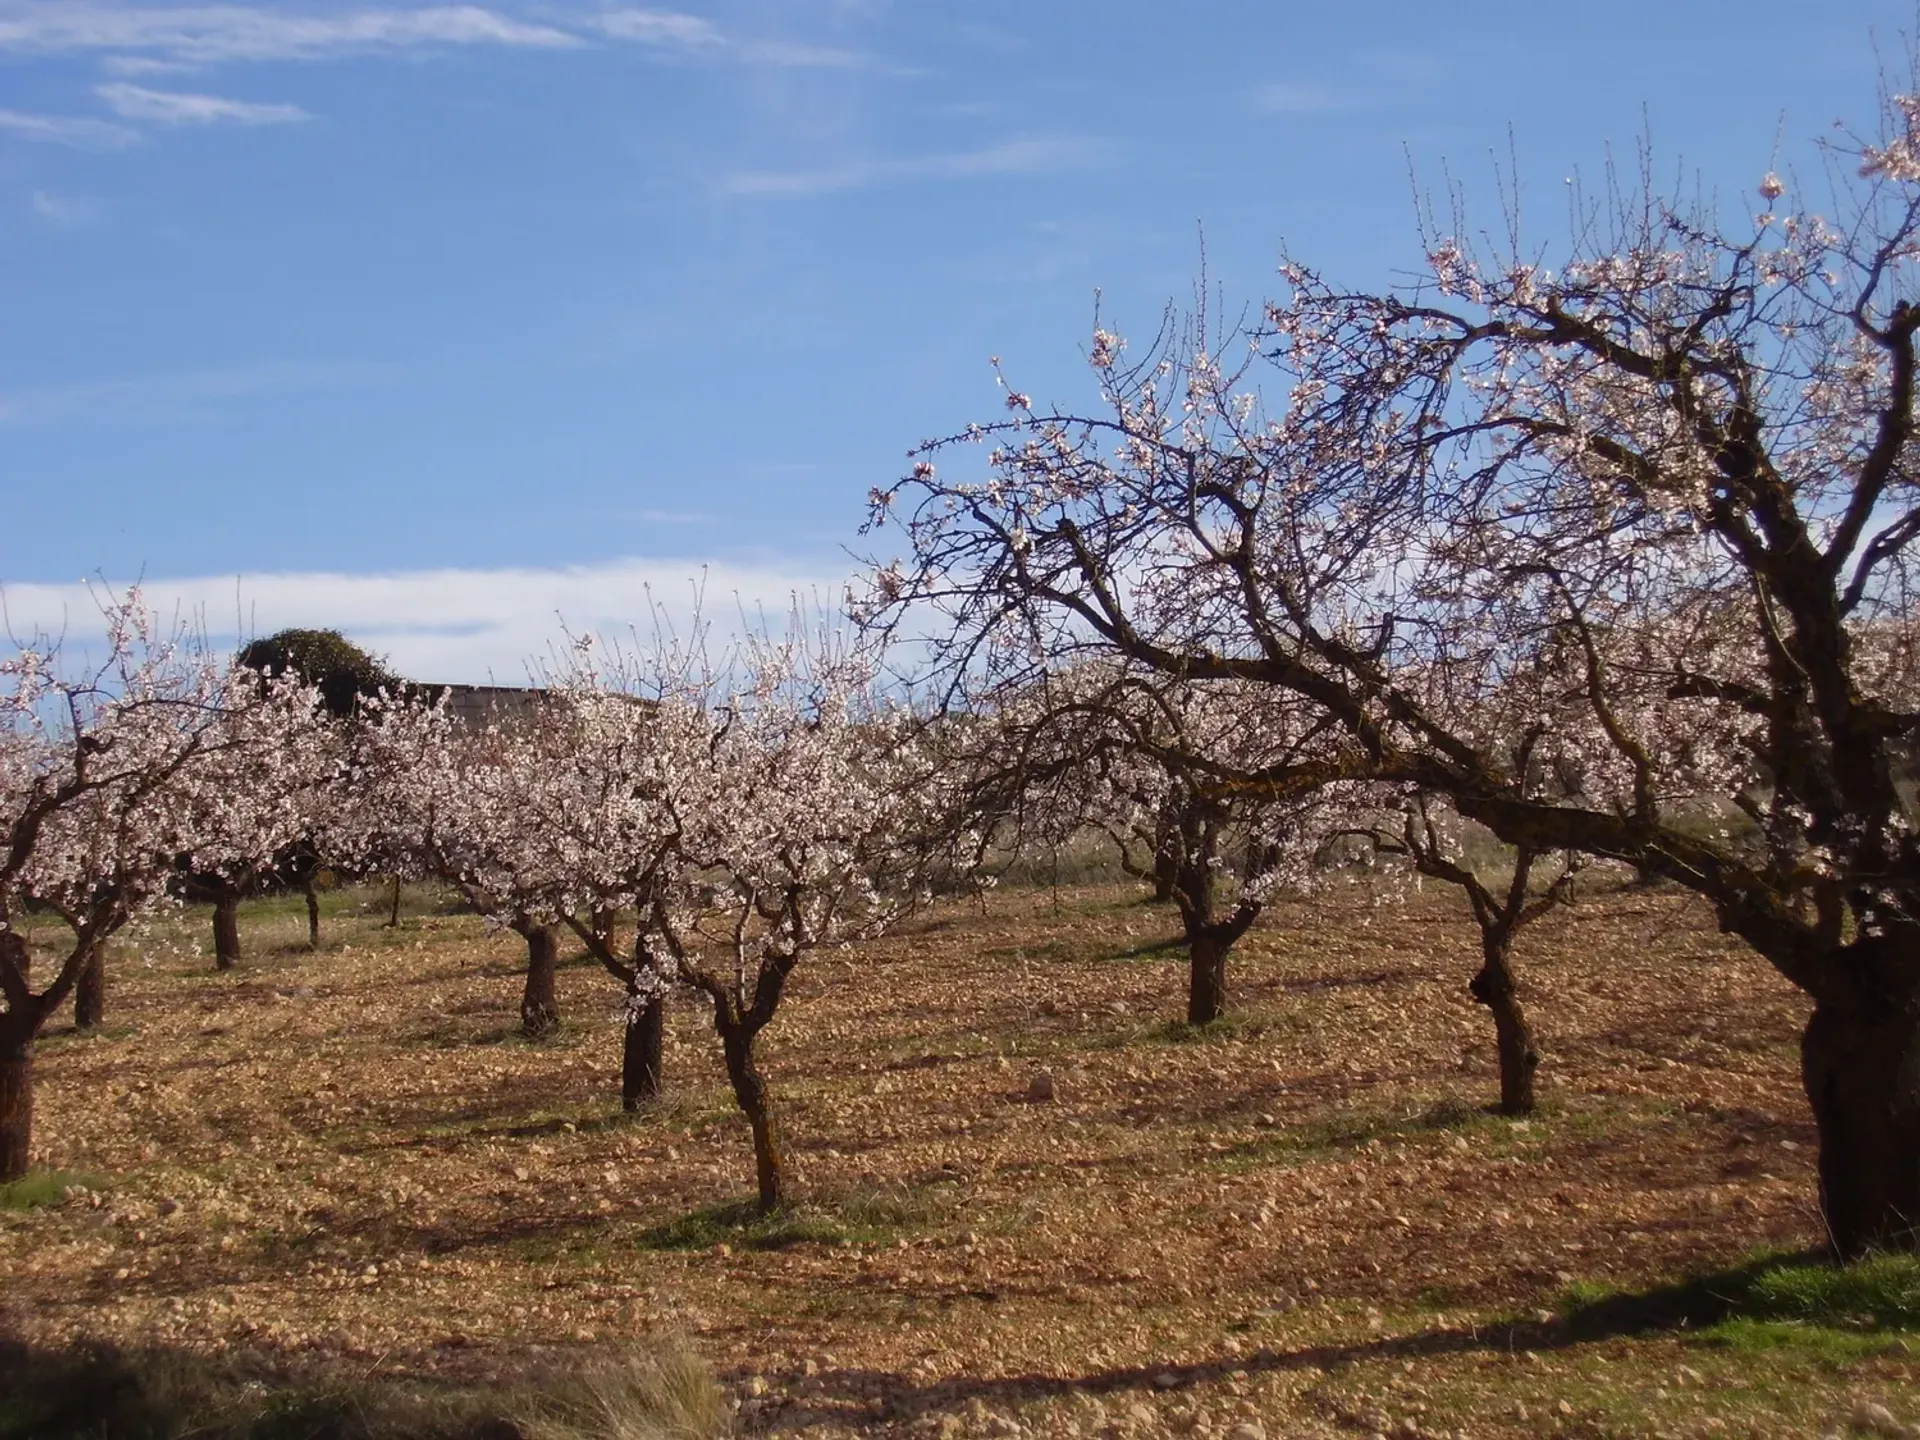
(1031, 1203)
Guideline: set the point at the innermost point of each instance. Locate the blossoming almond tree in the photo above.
(103, 781)
(433, 796)
(749, 809)
(1148, 762)
(1427, 836)
(1673, 475)
(259, 798)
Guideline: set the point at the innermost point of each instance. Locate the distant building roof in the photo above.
(483, 705)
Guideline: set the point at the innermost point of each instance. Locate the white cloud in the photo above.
(453, 625)
(792, 55)
(659, 27)
(168, 107)
(239, 32)
(79, 132)
(1014, 157)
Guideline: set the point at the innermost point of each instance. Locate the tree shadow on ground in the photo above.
(834, 1394)
(1881, 1294)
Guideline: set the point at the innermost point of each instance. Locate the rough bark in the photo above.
(1495, 988)
(313, 913)
(642, 1056)
(539, 1006)
(1860, 1060)
(16, 1104)
(393, 908)
(1166, 872)
(90, 992)
(750, 1092)
(1206, 978)
(226, 930)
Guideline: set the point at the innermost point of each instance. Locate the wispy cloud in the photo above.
(692, 33)
(240, 32)
(138, 39)
(187, 395)
(659, 27)
(469, 625)
(78, 131)
(168, 107)
(134, 66)
(794, 55)
(1013, 157)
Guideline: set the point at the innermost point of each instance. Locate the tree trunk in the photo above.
(602, 921)
(1206, 978)
(16, 1106)
(1166, 872)
(1860, 1060)
(226, 931)
(539, 1007)
(642, 1057)
(750, 1091)
(90, 992)
(313, 913)
(1494, 988)
(393, 911)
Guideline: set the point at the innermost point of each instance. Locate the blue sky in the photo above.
(436, 321)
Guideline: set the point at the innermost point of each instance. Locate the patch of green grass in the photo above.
(1832, 1348)
(862, 1218)
(1770, 1301)
(52, 1039)
(43, 1187)
(1235, 1025)
(1293, 1143)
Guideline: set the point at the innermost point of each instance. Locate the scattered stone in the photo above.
(1040, 1090)
(1002, 1425)
(1166, 1380)
(1247, 1430)
(1877, 1420)
(756, 1386)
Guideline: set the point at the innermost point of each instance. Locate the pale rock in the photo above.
(1868, 1415)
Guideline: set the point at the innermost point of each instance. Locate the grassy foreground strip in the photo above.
(154, 1394)
(1746, 1305)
